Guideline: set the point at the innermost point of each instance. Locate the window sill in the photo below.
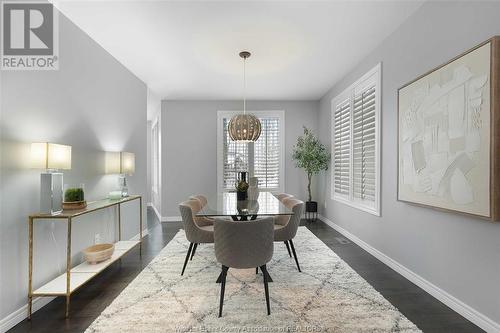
(358, 206)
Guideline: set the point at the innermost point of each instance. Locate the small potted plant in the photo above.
(312, 156)
(74, 197)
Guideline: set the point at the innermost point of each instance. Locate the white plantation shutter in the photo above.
(364, 145)
(342, 148)
(235, 158)
(355, 144)
(267, 154)
(263, 159)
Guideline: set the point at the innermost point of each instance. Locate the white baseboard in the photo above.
(164, 218)
(145, 232)
(22, 313)
(454, 303)
(157, 213)
(172, 219)
(39, 302)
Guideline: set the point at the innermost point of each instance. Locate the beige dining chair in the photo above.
(201, 221)
(285, 233)
(202, 202)
(283, 219)
(201, 198)
(282, 196)
(195, 234)
(244, 244)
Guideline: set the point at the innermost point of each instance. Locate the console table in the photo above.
(74, 278)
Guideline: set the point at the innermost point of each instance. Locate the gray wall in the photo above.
(189, 146)
(92, 103)
(459, 254)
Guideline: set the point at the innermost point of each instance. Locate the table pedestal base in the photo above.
(243, 217)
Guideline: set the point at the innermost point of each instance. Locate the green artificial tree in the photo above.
(311, 155)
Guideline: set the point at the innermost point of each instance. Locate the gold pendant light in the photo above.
(244, 127)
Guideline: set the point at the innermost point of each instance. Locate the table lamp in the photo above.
(51, 157)
(122, 163)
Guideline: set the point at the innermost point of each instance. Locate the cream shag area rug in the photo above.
(328, 296)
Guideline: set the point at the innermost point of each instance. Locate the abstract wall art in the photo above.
(449, 135)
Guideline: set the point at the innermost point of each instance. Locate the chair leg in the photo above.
(266, 288)
(222, 288)
(288, 248)
(187, 258)
(295, 255)
(194, 250)
(256, 270)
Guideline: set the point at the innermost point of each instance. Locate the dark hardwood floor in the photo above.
(429, 314)
(88, 302)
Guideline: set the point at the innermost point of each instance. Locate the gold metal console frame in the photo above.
(68, 215)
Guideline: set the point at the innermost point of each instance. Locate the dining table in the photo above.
(227, 205)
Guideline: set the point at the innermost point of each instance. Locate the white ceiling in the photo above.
(189, 49)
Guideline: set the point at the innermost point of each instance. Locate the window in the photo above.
(262, 159)
(355, 144)
(342, 148)
(155, 152)
(235, 157)
(267, 152)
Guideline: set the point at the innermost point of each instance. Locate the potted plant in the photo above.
(74, 197)
(312, 156)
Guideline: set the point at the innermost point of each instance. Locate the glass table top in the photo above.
(227, 205)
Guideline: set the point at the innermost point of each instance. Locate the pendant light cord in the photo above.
(244, 85)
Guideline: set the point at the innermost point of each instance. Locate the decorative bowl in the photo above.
(98, 252)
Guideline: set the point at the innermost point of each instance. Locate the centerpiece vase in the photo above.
(242, 178)
(240, 196)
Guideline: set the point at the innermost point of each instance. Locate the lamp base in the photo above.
(51, 192)
(122, 183)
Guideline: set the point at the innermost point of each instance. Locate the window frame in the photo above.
(221, 114)
(349, 93)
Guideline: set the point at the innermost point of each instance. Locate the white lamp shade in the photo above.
(39, 155)
(127, 163)
(112, 162)
(46, 155)
(120, 163)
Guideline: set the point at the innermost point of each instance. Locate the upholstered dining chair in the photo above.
(286, 232)
(282, 196)
(243, 244)
(201, 221)
(195, 234)
(283, 219)
(201, 201)
(201, 198)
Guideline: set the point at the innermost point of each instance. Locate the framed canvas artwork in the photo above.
(449, 135)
